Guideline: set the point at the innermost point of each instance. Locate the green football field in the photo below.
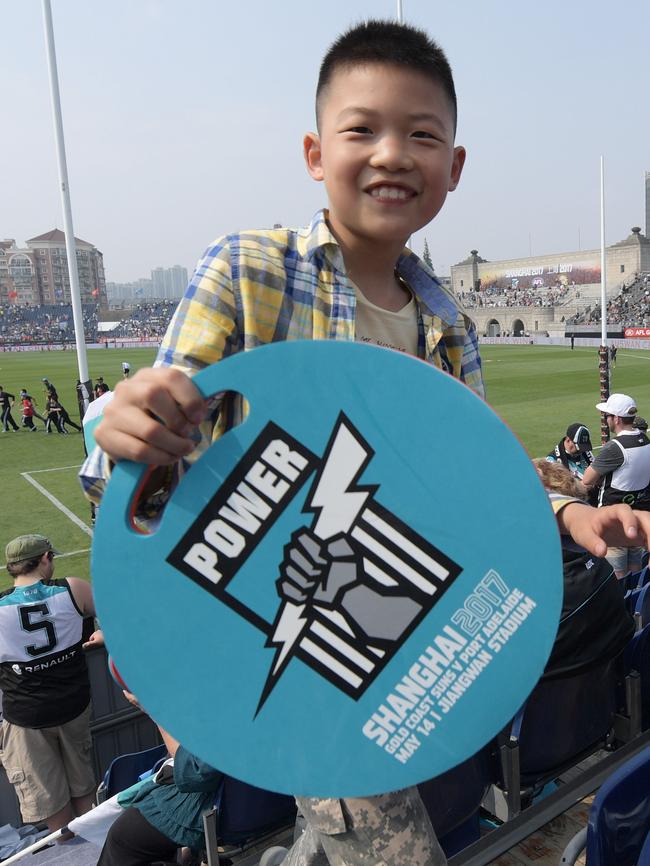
(538, 390)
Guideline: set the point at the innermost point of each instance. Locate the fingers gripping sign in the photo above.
(151, 417)
(370, 626)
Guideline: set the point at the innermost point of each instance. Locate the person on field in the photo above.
(46, 744)
(27, 412)
(7, 400)
(53, 414)
(25, 396)
(63, 416)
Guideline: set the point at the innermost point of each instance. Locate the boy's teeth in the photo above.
(389, 192)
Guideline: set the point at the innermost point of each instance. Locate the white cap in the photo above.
(618, 404)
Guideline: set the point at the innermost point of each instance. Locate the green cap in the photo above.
(27, 547)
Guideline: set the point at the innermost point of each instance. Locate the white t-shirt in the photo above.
(384, 328)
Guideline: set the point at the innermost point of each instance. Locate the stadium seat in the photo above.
(125, 770)
(453, 800)
(564, 720)
(631, 597)
(619, 819)
(644, 856)
(642, 607)
(636, 579)
(637, 658)
(242, 815)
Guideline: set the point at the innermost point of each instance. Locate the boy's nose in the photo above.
(392, 153)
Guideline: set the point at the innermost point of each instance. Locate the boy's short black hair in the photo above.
(378, 41)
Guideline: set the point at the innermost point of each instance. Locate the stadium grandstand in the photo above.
(53, 324)
(145, 321)
(630, 309)
(44, 324)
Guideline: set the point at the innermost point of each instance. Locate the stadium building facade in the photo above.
(38, 273)
(573, 276)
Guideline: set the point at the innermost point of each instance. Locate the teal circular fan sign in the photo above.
(350, 592)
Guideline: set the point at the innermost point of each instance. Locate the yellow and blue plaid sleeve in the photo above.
(203, 329)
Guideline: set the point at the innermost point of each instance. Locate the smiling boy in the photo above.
(385, 150)
(386, 116)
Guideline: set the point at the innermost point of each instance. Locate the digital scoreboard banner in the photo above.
(539, 276)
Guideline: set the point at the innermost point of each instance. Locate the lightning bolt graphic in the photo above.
(338, 507)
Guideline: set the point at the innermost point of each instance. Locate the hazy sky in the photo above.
(184, 121)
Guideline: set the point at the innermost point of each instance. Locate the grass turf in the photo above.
(51, 461)
(538, 391)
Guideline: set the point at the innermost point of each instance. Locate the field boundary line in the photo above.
(56, 469)
(630, 355)
(60, 555)
(58, 504)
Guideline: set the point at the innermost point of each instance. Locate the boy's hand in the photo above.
(151, 417)
(131, 698)
(596, 529)
(96, 639)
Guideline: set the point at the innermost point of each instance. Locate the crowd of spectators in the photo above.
(148, 321)
(53, 324)
(497, 296)
(44, 324)
(629, 309)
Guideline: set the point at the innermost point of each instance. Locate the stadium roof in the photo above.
(58, 236)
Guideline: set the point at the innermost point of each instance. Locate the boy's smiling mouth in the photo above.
(387, 192)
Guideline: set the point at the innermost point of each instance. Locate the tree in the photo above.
(426, 255)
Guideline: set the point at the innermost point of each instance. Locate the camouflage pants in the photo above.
(388, 830)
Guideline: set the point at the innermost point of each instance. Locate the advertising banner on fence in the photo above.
(636, 333)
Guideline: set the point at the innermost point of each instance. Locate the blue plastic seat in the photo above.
(619, 819)
(644, 856)
(453, 800)
(636, 579)
(642, 607)
(637, 658)
(631, 598)
(242, 815)
(125, 770)
(564, 719)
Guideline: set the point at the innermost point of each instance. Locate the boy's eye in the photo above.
(421, 133)
(361, 130)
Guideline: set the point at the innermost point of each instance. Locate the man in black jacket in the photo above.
(6, 402)
(574, 450)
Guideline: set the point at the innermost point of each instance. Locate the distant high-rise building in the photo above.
(51, 262)
(178, 281)
(158, 283)
(169, 283)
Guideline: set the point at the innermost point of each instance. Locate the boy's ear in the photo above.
(312, 152)
(457, 167)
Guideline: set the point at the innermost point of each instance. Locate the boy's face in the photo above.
(385, 152)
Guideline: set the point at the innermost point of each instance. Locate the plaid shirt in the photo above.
(258, 287)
